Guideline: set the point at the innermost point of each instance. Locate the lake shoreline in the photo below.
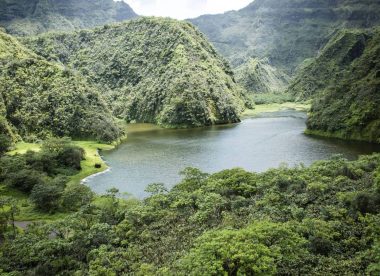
(256, 144)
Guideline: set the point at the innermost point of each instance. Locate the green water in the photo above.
(154, 155)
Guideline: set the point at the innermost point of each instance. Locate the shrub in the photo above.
(5, 143)
(46, 196)
(365, 202)
(75, 196)
(25, 180)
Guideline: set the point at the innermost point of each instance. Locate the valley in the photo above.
(239, 143)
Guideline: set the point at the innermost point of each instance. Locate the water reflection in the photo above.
(154, 155)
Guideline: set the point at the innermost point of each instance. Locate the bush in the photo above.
(5, 143)
(75, 196)
(46, 195)
(25, 180)
(365, 202)
(62, 154)
(71, 157)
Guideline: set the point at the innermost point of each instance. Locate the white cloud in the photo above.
(182, 9)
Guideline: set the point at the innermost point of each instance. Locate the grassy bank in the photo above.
(340, 135)
(274, 107)
(92, 157)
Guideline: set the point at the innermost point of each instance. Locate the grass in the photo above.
(274, 107)
(92, 157)
(27, 210)
(22, 148)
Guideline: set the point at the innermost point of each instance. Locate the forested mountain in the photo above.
(258, 76)
(40, 99)
(151, 70)
(26, 17)
(286, 32)
(344, 81)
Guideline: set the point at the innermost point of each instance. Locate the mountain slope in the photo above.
(328, 68)
(344, 81)
(287, 31)
(258, 76)
(40, 99)
(151, 70)
(30, 17)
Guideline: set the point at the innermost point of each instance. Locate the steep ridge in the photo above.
(287, 31)
(258, 76)
(328, 68)
(151, 70)
(40, 99)
(30, 17)
(344, 81)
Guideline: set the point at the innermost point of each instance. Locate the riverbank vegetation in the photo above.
(344, 83)
(275, 107)
(19, 166)
(318, 220)
(326, 50)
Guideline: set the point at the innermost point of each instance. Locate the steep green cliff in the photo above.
(258, 76)
(287, 31)
(40, 99)
(151, 70)
(25, 17)
(344, 81)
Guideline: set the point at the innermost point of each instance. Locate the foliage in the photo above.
(8, 211)
(76, 195)
(44, 99)
(344, 83)
(150, 70)
(46, 196)
(270, 98)
(43, 175)
(258, 77)
(286, 221)
(286, 32)
(28, 17)
(257, 249)
(5, 143)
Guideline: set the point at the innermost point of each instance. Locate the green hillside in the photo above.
(25, 17)
(151, 70)
(258, 76)
(40, 99)
(287, 31)
(344, 81)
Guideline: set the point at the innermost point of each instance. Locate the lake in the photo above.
(154, 155)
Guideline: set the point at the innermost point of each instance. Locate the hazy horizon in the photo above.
(183, 9)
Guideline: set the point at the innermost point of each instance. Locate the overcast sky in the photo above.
(182, 9)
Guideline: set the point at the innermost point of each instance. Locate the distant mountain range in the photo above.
(286, 32)
(31, 17)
